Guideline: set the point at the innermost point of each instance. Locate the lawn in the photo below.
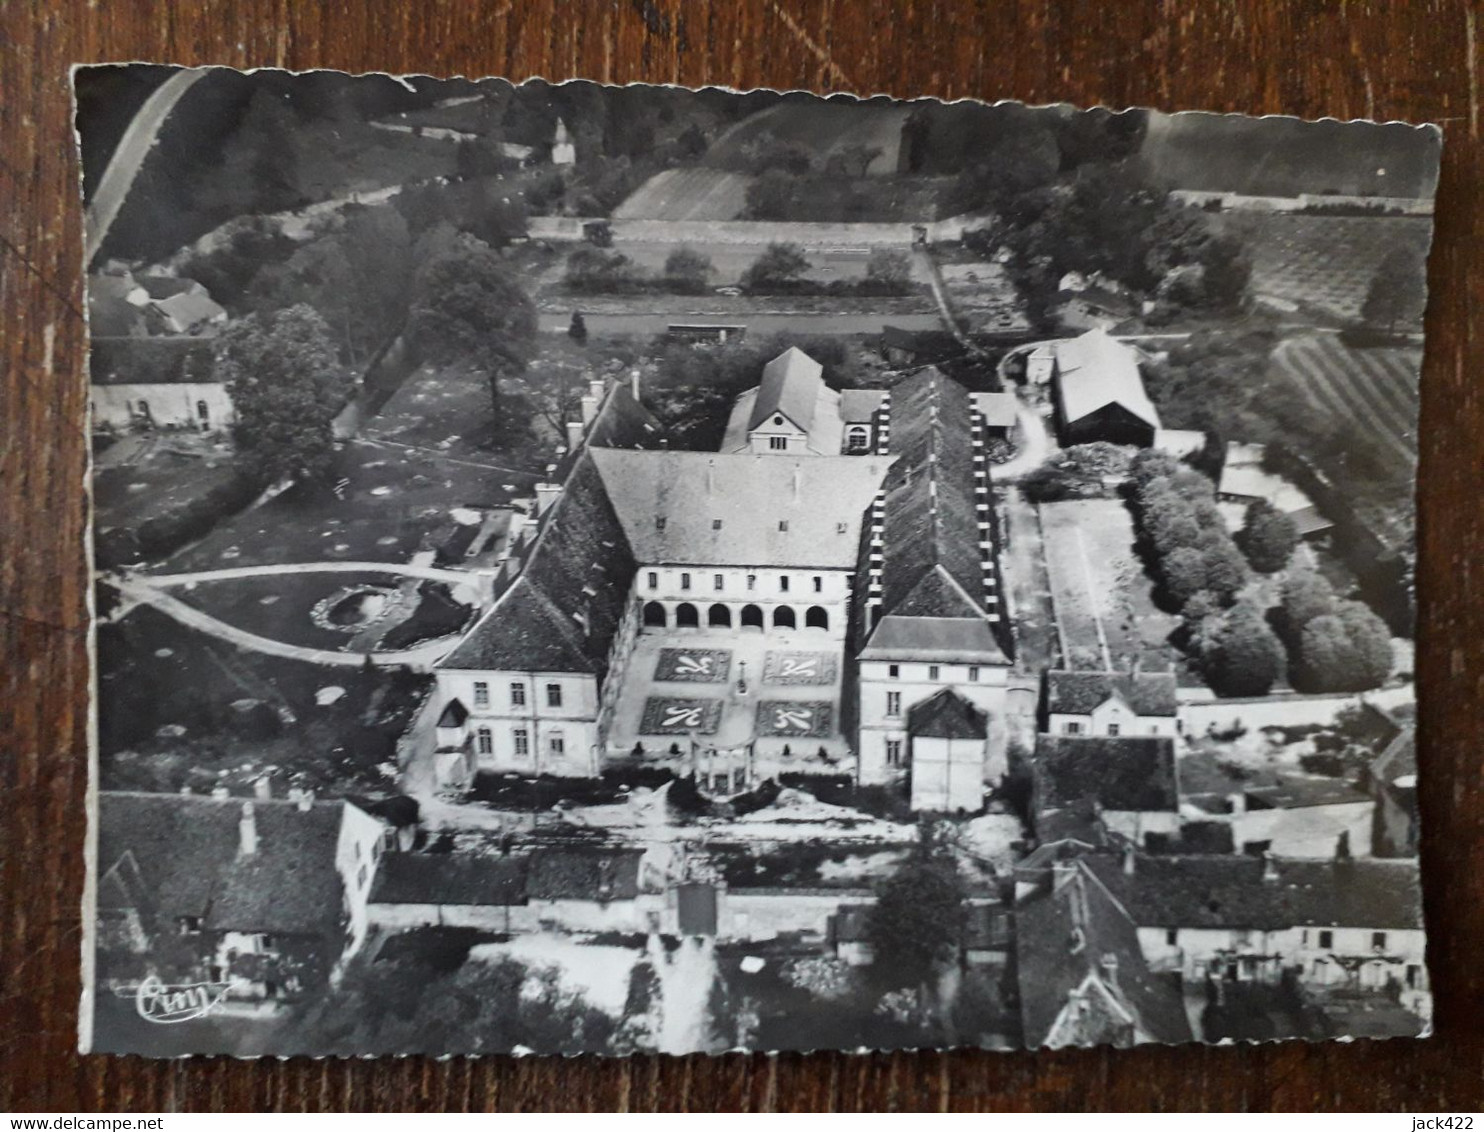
(177, 707)
(1099, 588)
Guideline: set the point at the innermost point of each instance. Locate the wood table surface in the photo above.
(1412, 61)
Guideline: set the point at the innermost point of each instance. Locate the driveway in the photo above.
(1036, 446)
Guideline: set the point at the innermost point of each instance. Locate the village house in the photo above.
(792, 412)
(949, 737)
(1082, 975)
(1099, 392)
(1335, 925)
(267, 895)
(1110, 703)
(418, 890)
(1392, 779)
(1091, 302)
(1130, 781)
(166, 383)
(1245, 479)
(1295, 817)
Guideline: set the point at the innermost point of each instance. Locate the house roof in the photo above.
(1127, 773)
(624, 422)
(947, 715)
(581, 564)
(1179, 442)
(601, 873)
(999, 410)
(110, 314)
(1396, 765)
(454, 714)
(150, 361)
(821, 499)
(944, 639)
(190, 308)
(449, 878)
(164, 286)
(186, 849)
(860, 406)
(1078, 693)
(1230, 892)
(790, 386)
(1292, 793)
(1082, 975)
(1094, 371)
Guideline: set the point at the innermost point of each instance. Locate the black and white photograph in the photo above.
(612, 569)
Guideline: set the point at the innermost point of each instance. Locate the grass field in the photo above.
(1099, 589)
(1322, 263)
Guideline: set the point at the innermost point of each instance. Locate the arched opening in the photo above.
(686, 616)
(858, 439)
(817, 618)
(752, 616)
(203, 414)
(655, 616)
(719, 616)
(783, 617)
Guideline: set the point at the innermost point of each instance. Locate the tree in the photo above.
(287, 385)
(780, 267)
(1150, 464)
(1398, 291)
(857, 157)
(770, 195)
(1371, 641)
(1242, 657)
(594, 270)
(1346, 650)
(1184, 570)
(467, 307)
(1306, 595)
(889, 270)
(1226, 569)
(688, 271)
(577, 328)
(917, 922)
(260, 159)
(1268, 537)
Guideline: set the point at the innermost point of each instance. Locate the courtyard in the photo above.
(768, 702)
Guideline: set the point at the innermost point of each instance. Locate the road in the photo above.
(649, 324)
(1036, 445)
(226, 573)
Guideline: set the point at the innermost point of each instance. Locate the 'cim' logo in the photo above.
(166, 1003)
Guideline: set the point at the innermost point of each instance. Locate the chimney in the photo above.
(220, 792)
(634, 382)
(1269, 869)
(589, 403)
(1130, 861)
(1237, 802)
(262, 787)
(546, 495)
(247, 830)
(574, 433)
(1109, 964)
(306, 801)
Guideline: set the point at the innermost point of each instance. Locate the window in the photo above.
(716, 524)
(1378, 941)
(1326, 939)
(858, 440)
(522, 742)
(484, 740)
(841, 528)
(659, 522)
(267, 943)
(685, 581)
(718, 581)
(751, 582)
(361, 877)
(973, 674)
(893, 752)
(1072, 728)
(517, 694)
(818, 584)
(654, 580)
(556, 743)
(778, 443)
(893, 703)
(933, 671)
(893, 670)
(190, 925)
(553, 695)
(783, 525)
(481, 693)
(1113, 730)
(203, 411)
(783, 583)
(1172, 936)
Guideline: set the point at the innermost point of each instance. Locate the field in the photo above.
(1102, 596)
(687, 194)
(820, 127)
(1323, 264)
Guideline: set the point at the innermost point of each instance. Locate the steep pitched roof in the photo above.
(150, 361)
(947, 715)
(947, 640)
(859, 406)
(1231, 892)
(1083, 978)
(624, 422)
(186, 849)
(1078, 693)
(1130, 773)
(449, 878)
(1094, 370)
(772, 510)
(580, 566)
(584, 874)
(791, 384)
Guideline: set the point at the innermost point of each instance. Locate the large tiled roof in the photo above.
(449, 878)
(1127, 773)
(1075, 942)
(1231, 892)
(1094, 370)
(186, 849)
(584, 874)
(1078, 693)
(150, 361)
(859, 406)
(791, 385)
(671, 502)
(624, 422)
(946, 640)
(947, 715)
(581, 565)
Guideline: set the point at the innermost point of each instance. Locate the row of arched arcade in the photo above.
(687, 615)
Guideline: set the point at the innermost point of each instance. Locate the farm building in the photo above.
(1181, 443)
(998, 413)
(1100, 394)
(157, 383)
(1244, 479)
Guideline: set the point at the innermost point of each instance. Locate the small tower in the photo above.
(563, 152)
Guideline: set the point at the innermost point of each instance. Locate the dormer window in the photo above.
(783, 524)
(659, 522)
(716, 524)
